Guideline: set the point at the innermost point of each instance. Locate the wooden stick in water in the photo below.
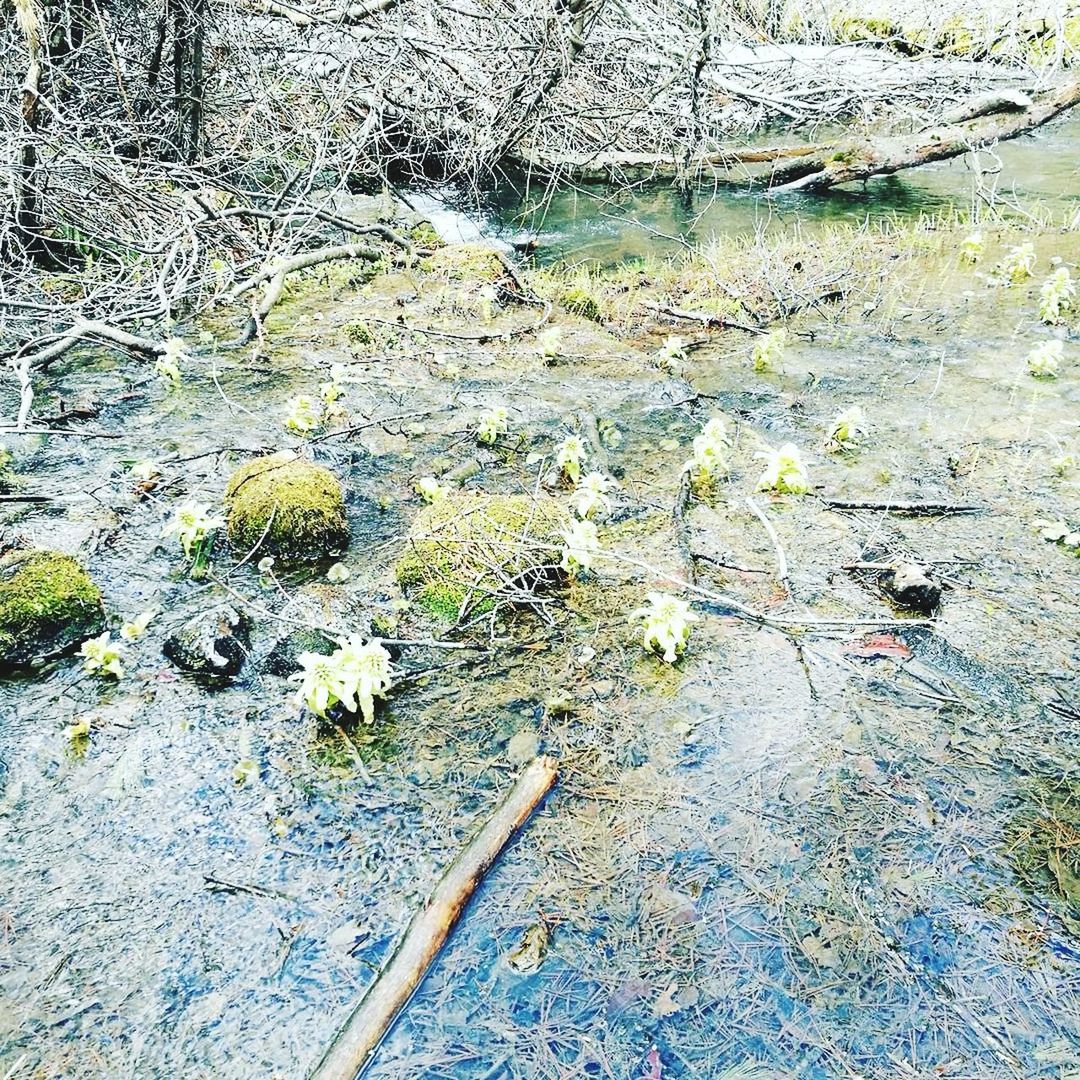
(353, 1046)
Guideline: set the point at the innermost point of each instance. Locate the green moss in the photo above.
(423, 235)
(286, 507)
(467, 548)
(466, 262)
(580, 301)
(357, 332)
(48, 604)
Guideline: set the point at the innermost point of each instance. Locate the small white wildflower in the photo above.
(266, 564)
(784, 471)
(190, 524)
(168, 361)
(430, 490)
(101, 657)
(1059, 532)
(338, 573)
(145, 471)
(568, 456)
(671, 353)
(971, 248)
(582, 546)
(768, 350)
(352, 676)
(710, 452)
(303, 415)
(491, 425)
(548, 342)
(488, 297)
(1018, 264)
(132, 631)
(590, 496)
(665, 625)
(1056, 295)
(844, 432)
(1043, 360)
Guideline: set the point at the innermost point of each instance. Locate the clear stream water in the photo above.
(782, 858)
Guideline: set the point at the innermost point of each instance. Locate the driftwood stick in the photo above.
(354, 1044)
(901, 507)
(778, 548)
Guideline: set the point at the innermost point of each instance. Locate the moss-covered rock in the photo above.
(466, 262)
(286, 507)
(48, 604)
(469, 548)
(579, 301)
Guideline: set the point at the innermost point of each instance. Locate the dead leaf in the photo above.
(880, 645)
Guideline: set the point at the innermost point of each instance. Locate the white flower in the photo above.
(769, 350)
(132, 631)
(590, 496)
(710, 452)
(568, 457)
(1017, 265)
(488, 297)
(352, 676)
(167, 364)
(430, 490)
(671, 352)
(491, 425)
(784, 471)
(1059, 532)
(303, 415)
(844, 431)
(338, 573)
(191, 523)
(1043, 360)
(1056, 295)
(582, 546)
(548, 342)
(145, 471)
(971, 248)
(266, 564)
(665, 625)
(101, 657)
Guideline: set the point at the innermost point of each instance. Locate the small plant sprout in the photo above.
(590, 496)
(844, 432)
(167, 364)
(430, 490)
(1043, 360)
(192, 524)
(582, 546)
(665, 625)
(331, 390)
(352, 676)
(132, 631)
(491, 425)
(1057, 295)
(549, 341)
(971, 247)
(101, 657)
(710, 452)
(338, 573)
(671, 353)
(303, 415)
(1018, 265)
(1060, 532)
(768, 351)
(488, 297)
(784, 471)
(568, 457)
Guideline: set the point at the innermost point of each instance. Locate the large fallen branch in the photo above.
(351, 1050)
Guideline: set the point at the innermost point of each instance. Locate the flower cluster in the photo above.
(132, 631)
(1043, 360)
(769, 350)
(191, 524)
(671, 353)
(1059, 532)
(784, 471)
(665, 625)
(1057, 295)
(582, 546)
(352, 676)
(844, 432)
(430, 490)
(491, 425)
(548, 342)
(303, 415)
(710, 452)
(590, 496)
(167, 364)
(331, 390)
(568, 456)
(101, 657)
(1018, 265)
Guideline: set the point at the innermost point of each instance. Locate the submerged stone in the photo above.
(284, 506)
(909, 586)
(469, 548)
(48, 604)
(213, 643)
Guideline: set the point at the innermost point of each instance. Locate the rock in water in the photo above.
(214, 643)
(48, 604)
(911, 588)
(281, 505)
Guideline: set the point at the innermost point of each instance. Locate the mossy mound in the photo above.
(469, 549)
(48, 604)
(466, 262)
(286, 507)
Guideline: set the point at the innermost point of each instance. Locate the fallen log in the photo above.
(351, 1050)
